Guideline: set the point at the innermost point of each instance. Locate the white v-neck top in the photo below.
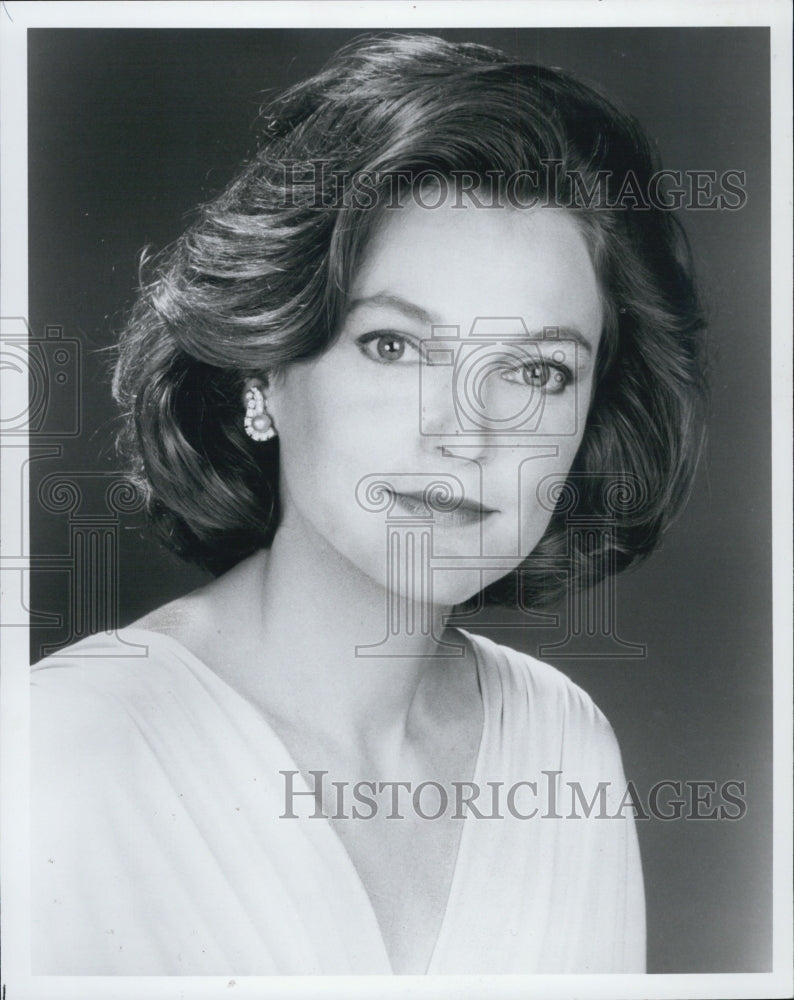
(158, 847)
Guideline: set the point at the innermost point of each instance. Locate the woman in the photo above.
(427, 324)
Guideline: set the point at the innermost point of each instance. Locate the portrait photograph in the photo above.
(396, 538)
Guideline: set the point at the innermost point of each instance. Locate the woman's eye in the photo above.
(385, 347)
(540, 375)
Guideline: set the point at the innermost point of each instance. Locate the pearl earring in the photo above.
(258, 423)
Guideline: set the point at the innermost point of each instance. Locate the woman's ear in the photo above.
(254, 383)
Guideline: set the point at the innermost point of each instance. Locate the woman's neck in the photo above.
(287, 627)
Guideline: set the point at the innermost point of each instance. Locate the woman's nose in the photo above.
(447, 419)
(440, 402)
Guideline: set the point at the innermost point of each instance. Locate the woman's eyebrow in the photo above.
(553, 333)
(416, 312)
(402, 305)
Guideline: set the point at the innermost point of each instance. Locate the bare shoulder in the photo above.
(188, 620)
(184, 612)
(203, 620)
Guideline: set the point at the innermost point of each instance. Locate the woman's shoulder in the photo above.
(527, 674)
(102, 691)
(108, 660)
(202, 620)
(144, 653)
(536, 697)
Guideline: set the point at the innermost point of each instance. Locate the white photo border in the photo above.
(15, 19)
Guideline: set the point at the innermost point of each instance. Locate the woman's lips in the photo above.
(465, 512)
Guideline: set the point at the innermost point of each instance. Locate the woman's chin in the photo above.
(456, 586)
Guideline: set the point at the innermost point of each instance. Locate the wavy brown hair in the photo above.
(260, 280)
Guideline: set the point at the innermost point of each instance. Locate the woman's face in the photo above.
(466, 357)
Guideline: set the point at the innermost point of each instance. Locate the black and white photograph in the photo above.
(396, 554)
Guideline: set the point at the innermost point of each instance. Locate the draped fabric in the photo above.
(158, 847)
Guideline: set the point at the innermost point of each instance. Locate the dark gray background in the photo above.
(129, 129)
